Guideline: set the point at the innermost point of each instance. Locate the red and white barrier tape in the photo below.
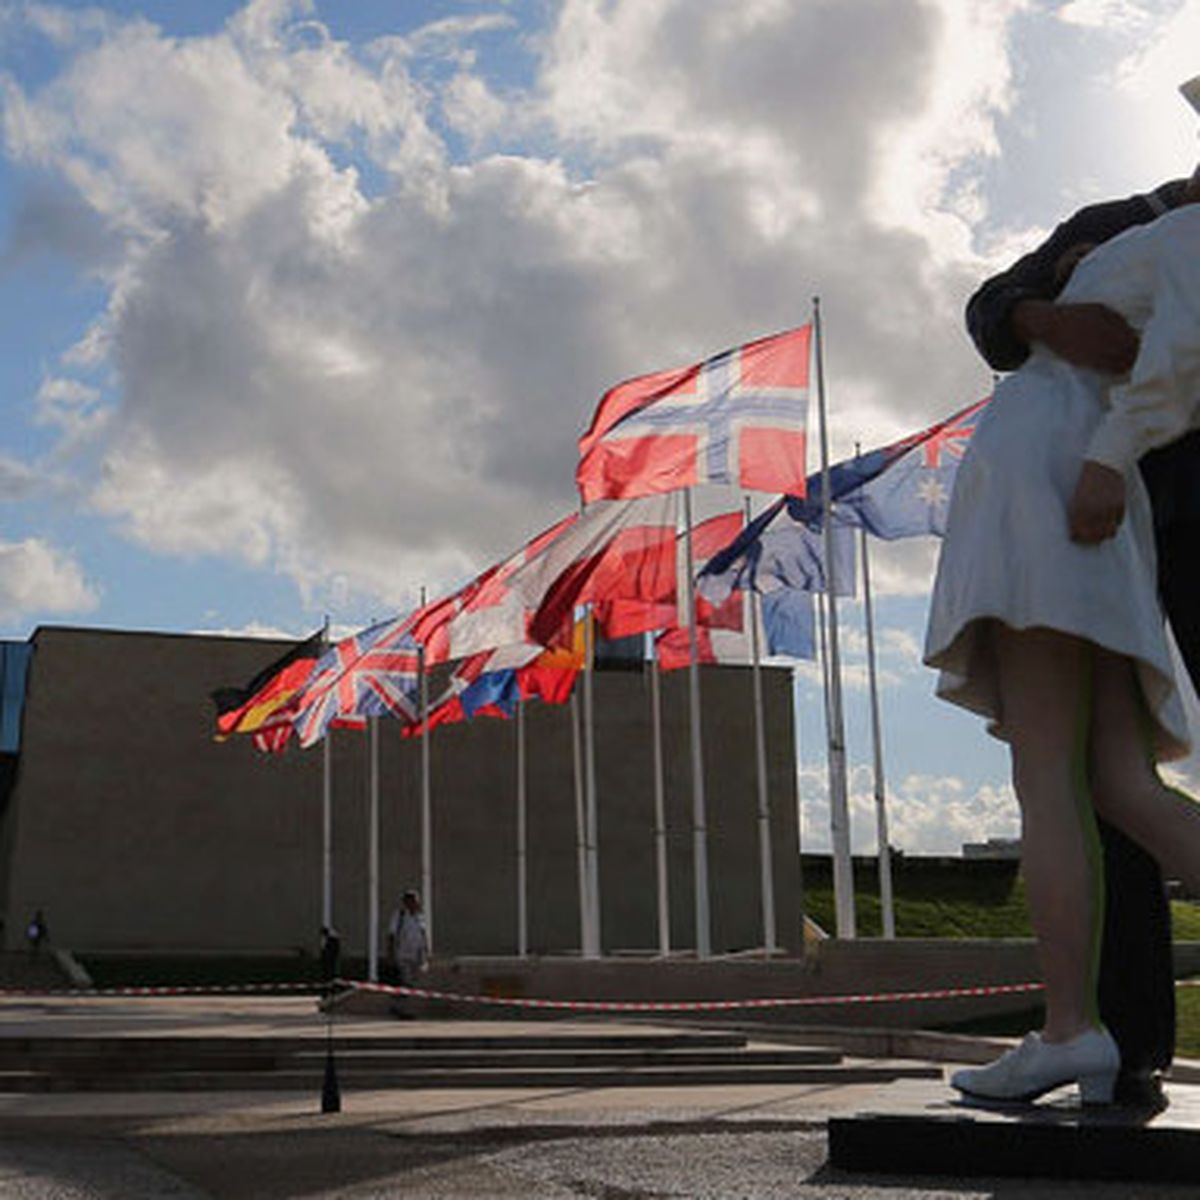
(643, 1006)
(617, 1006)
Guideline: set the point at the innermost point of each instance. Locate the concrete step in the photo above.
(374, 1080)
(77, 1062)
(13, 1049)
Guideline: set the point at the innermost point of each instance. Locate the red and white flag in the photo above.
(721, 634)
(616, 553)
(737, 418)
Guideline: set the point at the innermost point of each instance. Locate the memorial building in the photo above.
(133, 831)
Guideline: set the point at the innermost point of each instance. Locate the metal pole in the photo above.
(581, 866)
(839, 803)
(591, 947)
(660, 811)
(426, 801)
(766, 870)
(886, 899)
(522, 833)
(373, 859)
(327, 831)
(699, 817)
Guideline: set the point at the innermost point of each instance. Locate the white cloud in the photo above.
(341, 355)
(926, 814)
(18, 480)
(36, 577)
(1106, 14)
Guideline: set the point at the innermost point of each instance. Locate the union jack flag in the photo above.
(375, 673)
(737, 418)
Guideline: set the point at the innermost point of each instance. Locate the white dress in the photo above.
(1007, 554)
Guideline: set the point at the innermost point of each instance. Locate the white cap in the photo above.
(1191, 92)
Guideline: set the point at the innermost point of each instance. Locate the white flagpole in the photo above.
(699, 817)
(766, 869)
(522, 863)
(326, 814)
(886, 899)
(327, 831)
(426, 801)
(839, 803)
(581, 864)
(373, 858)
(591, 822)
(799, 828)
(581, 838)
(660, 810)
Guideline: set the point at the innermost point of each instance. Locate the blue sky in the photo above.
(304, 304)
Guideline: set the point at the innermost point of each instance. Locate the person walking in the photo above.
(408, 947)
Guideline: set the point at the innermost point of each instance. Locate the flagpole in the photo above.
(766, 870)
(522, 863)
(326, 814)
(799, 828)
(839, 805)
(591, 947)
(581, 852)
(426, 800)
(699, 817)
(327, 831)
(373, 858)
(581, 866)
(660, 810)
(886, 899)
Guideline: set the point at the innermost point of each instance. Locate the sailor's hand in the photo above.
(1098, 504)
(1086, 335)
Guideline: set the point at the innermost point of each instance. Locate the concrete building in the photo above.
(133, 831)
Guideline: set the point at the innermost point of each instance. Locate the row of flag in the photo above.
(514, 632)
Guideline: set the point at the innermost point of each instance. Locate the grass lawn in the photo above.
(962, 904)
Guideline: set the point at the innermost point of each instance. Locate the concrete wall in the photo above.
(133, 830)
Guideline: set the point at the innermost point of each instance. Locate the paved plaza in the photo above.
(632, 1143)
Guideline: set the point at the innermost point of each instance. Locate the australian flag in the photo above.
(896, 491)
(904, 490)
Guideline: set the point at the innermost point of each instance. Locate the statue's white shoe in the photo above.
(1035, 1067)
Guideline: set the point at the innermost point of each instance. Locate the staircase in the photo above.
(567, 1059)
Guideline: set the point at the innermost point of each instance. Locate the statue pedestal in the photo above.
(1055, 1138)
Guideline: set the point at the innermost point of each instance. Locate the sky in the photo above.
(304, 304)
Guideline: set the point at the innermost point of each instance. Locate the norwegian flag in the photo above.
(737, 418)
(375, 673)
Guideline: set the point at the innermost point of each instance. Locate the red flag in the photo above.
(720, 636)
(617, 551)
(737, 418)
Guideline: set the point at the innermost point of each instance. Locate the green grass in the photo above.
(951, 900)
(955, 901)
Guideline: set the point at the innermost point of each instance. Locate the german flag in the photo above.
(251, 708)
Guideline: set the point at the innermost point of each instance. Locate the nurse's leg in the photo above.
(1045, 697)
(1127, 790)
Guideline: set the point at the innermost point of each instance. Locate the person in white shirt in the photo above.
(408, 944)
(1045, 619)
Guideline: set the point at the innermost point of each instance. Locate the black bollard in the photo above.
(331, 945)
